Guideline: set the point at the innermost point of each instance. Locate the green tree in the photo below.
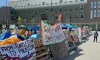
(19, 20)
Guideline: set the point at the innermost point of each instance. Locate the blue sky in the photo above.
(3, 2)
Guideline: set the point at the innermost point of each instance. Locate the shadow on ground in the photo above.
(84, 40)
(77, 50)
(74, 55)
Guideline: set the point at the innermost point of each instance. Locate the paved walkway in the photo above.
(88, 50)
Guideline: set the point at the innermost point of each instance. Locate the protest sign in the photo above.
(23, 50)
(52, 34)
(12, 26)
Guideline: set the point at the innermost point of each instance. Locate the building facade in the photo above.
(73, 11)
(7, 15)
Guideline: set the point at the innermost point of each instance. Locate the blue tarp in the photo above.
(5, 35)
(34, 36)
(29, 27)
(70, 26)
(63, 26)
(20, 37)
(36, 28)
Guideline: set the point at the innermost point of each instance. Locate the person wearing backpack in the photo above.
(95, 36)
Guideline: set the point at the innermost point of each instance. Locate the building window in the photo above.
(39, 4)
(21, 6)
(35, 5)
(28, 11)
(98, 4)
(55, 10)
(15, 5)
(91, 4)
(81, 0)
(56, 3)
(70, 1)
(98, 13)
(76, 9)
(65, 2)
(35, 13)
(76, 0)
(95, 4)
(81, 7)
(60, 1)
(51, 3)
(91, 14)
(95, 13)
(65, 10)
(47, 9)
(56, 17)
(43, 3)
(47, 3)
(60, 9)
(82, 16)
(51, 9)
(28, 4)
(76, 17)
(31, 5)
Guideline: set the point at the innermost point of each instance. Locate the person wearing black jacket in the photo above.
(95, 36)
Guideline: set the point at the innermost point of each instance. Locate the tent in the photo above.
(63, 26)
(22, 26)
(5, 35)
(70, 26)
(34, 36)
(36, 28)
(29, 27)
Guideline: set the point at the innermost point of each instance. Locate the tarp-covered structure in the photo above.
(5, 35)
(71, 26)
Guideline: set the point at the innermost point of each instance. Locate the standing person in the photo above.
(95, 36)
(30, 32)
(27, 34)
(23, 31)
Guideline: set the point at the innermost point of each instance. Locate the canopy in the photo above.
(70, 26)
(5, 35)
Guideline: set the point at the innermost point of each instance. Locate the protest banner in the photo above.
(52, 34)
(23, 50)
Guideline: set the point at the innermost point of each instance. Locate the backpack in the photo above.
(96, 34)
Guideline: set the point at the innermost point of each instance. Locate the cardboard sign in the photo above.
(52, 34)
(12, 26)
(23, 50)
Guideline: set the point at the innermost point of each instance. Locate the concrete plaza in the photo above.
(87, 50)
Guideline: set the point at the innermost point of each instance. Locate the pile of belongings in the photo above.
(8, 38)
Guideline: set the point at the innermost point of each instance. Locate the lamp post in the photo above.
(51, 12)
(70, 16)
(6, 17)
(96, 26)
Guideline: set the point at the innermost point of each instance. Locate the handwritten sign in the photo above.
(23, 50)
(52, 34)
